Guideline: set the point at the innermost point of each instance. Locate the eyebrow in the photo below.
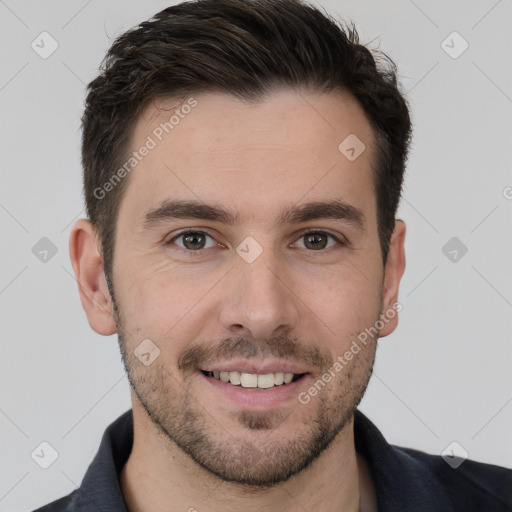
(178, 209)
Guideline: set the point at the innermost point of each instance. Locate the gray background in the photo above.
(443, 376)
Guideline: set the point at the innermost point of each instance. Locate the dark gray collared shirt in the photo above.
(405, 480)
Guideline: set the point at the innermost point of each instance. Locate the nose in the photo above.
(259, 300)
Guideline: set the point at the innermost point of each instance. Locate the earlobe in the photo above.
(393, 273)
(89, 272)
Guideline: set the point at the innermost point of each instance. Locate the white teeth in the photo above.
(266, 381)
(234, 378)
(288, 377)
(253, 380)
(249, 380)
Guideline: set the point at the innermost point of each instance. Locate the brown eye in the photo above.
(315, 241)
(192, 241)
(318, 240)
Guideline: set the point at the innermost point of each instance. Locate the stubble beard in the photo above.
(257, 460)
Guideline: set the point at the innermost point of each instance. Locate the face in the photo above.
(247, 244)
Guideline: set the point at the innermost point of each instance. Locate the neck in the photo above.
(158, 476)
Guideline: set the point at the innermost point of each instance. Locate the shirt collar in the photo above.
(401, 481)
(101, 488)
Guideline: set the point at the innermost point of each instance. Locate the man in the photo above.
(243, 163)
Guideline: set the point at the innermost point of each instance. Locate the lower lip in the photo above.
(255, 398)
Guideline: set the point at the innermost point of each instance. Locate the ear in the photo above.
(89, 271)
(393, 273)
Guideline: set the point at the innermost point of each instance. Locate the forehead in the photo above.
(252, 157)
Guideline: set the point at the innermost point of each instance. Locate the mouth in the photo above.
(256, 384)
(256, 381)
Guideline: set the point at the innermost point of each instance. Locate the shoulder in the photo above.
(472, 485)
(60, 505)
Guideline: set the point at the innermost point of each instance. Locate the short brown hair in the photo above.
(245, 48)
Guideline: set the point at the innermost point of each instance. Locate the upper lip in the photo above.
(261, 368)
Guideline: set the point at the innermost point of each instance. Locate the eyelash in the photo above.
(201, 251)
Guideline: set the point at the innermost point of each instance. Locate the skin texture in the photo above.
(297, 301)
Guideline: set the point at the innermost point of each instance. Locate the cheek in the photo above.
(158, 302)
(347, 300)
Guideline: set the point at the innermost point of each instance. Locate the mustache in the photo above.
(197, 355)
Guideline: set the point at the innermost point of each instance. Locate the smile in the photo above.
(254, 380)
